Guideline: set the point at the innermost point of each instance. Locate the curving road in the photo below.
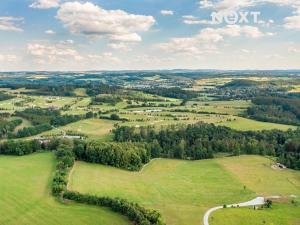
(253, 202)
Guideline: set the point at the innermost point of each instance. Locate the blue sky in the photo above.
(149, 34)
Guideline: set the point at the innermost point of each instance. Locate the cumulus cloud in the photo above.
(293, 22)
(45, 4)
(49, 53)
(167, 12)
(9, 23)
(119, 46)
(207, 39)
(93, 21)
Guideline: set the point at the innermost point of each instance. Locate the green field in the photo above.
(183, 190)
(280, 214)
(240, 123)
(180, 190)
(26, 196)
(93, 128)
(257, 174)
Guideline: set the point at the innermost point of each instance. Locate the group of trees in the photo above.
(172, 92)
(277, 109)
(201, 141)
(136, 213)
(43, 120)
(291, 154)
(7, 127)
(113, 116)
(128, 156)
(19, 148)
(110, 99)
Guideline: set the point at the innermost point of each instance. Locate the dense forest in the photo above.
(201, 141)
(110, 99)
(172, 93)
(276, 109)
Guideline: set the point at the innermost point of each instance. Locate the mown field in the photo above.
(280, 214)
(93, 128)
(183, 190)
(26, 196)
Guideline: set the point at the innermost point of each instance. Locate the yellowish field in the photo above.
(93, 128)
(240, 123)
(256, 173)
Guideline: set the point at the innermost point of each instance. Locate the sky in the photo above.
(149, 34)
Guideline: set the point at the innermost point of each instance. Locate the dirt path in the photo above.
(253, 202)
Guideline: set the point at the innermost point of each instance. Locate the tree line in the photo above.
(201, 141)
(67, 151)
(276, 109)
(43, 120)
(66, 158)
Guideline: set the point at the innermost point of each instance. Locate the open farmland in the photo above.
(26, 196)
(184, 190)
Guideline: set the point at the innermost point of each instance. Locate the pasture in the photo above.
(280, 214)
(183, 190)
(93, 128)
(180, 190)
(25, 190)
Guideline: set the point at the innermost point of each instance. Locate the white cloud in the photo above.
(293, 50)
(207, 39)
(8, 58)
(9, 23)
(49, 53)
(233, 5)
(167, 12)
(119, 46)
(192, 20)
(293, 22)
(93, 21)
(50, 32)
(45, 4)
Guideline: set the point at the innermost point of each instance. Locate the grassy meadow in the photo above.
(183, 190)
(93, 128)
(26, 196)
(280, 214)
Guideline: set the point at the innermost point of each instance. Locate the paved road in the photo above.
(253, 202)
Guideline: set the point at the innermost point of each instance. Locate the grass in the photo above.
(181, 190)
(93, 128)
(280, 214)
(240, 123)
(26, 196)
(256, 173)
